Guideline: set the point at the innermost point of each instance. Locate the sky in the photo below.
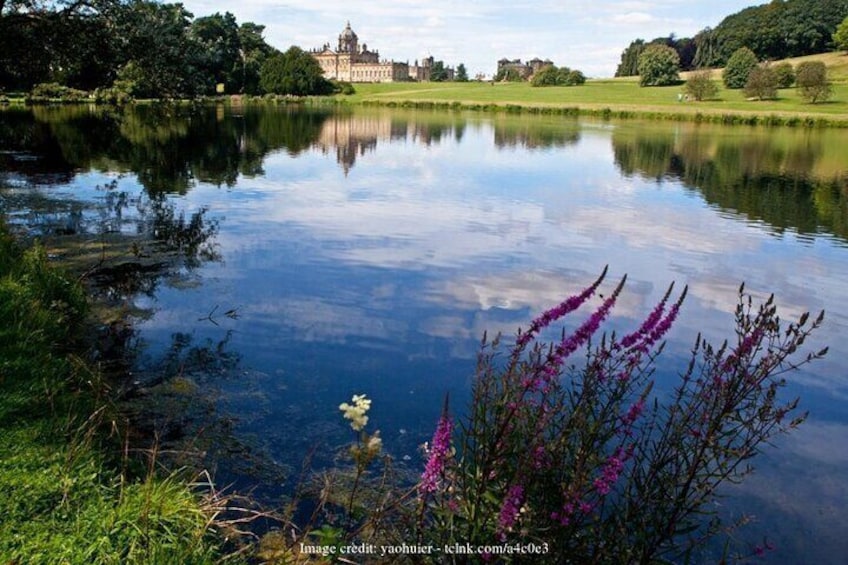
(588, 35)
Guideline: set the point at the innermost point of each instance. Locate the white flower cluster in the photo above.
(356, 412)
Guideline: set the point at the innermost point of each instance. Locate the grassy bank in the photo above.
(620, 98)
(67, 493)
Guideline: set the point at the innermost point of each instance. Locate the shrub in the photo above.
(342, 87)
(553, 76)
(575, 78)
(49, 91)
(584, 460)
(840, 36)
(547, 76)
(761, 83)
(508, 75)
(659, 65)
(811, 79)
(785, 75)
(701, 85)
(740, 64)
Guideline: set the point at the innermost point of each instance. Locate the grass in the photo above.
(623, 97)
(65, 493)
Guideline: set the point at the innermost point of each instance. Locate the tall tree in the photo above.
(159, 56)
(253, 52)
(840, 36)
(739, 66)
(218, 38)
(67, 42)
(294, 72)
(629, 65)
(438, 73)
(461, 73)
(659, 65)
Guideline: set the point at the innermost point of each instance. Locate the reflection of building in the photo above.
(352, 136)
(350, 63)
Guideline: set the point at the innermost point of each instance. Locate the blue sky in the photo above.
(584, 34)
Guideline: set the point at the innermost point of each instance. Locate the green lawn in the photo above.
(622, 95)
(616, 94)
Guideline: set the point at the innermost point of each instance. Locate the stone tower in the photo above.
(348, 41)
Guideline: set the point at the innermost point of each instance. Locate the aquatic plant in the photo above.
(582, 460)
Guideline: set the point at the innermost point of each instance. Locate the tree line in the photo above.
(777, 30)
(141, 48)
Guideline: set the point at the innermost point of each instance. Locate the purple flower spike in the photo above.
(570, 344)
(650, 322)
(563, 308)
(510, 509)
(440, 451)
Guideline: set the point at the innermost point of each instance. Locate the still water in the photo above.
(319, 254)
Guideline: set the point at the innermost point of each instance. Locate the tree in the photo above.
(61, 42)
(550, 75)
(294, 72)
(811, 79)
(575, 78)
(785, 75)
(218, 37)
(738, 67)
(701, 85)
(438, 72)
(508, 74)
(461, 73)
(254, 51)
(761, 83)
(659, 65)
(158, 54)
(629, 65)
(840, 36)
(547, 76)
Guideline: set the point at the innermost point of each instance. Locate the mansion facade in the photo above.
(351, 63)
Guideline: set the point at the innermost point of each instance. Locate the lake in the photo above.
(314, 254)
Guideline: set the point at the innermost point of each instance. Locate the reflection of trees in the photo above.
(167, 146)
(752, 175)
(535, 133)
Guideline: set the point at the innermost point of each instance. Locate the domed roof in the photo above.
(348, 33)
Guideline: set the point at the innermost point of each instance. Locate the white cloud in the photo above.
(478, 33)
(633, 18)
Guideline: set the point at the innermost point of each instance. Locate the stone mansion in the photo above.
(352, 63)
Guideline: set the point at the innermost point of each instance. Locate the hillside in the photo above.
(836, 63)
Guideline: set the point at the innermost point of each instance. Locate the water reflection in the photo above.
(783, 178)
(367, 251)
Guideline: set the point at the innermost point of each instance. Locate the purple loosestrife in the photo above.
(633, 413)
(510, 509)
(748, 344)
(563, 308)
(650, 322)
(609, 474)
(440, 450)
(570, 344)
(655, 326)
